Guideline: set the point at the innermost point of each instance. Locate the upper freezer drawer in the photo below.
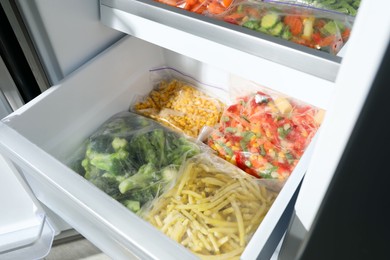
(211, 40)
(40, 136)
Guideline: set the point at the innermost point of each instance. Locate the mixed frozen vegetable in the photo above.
(349, 7)
(312, 28)
(265, 136)
(200, 6)
(133, 158)
(213, 209)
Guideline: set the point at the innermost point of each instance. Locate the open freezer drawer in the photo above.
(40, 136)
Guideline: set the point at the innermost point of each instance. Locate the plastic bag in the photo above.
(213, 209)
(199, 6)
(265, 133)
(310, 27)
(132, 158)
(179, 102)
(349, 7)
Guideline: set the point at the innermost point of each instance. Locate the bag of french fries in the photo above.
(213, 208)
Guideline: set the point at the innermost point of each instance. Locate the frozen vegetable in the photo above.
(213, 209)
(265, 135)
(313, 28)
(132, 158)
(199, 6)
(349, 7)
(180, 106)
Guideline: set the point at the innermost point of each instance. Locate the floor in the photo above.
(75, 248)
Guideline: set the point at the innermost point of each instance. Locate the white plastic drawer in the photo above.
(43, 133)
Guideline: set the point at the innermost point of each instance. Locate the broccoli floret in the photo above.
(181, 148)
(90, 171)
(107, 184)
(119, 144)
(168, 174)
(146, 175)
(157, 139)
(143, 149)
(100, 144)
(144, 195)
(132, 205)
(115, 163)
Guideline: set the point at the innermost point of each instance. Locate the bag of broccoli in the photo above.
(132, 158)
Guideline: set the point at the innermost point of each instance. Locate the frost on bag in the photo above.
(348, 7)
(180, 102)
(132, 158)
(316, 29)
(265, 133)
(213, 209)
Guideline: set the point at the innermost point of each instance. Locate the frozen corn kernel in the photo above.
(181, 107)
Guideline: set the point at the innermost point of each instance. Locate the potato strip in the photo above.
(212, 213)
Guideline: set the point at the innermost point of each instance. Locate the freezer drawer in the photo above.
(150, 20)
(41, 135)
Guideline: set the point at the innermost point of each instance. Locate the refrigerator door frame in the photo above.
(352, 87)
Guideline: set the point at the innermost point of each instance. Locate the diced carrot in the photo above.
(169, 2)
(256, 163)
(226, 3)
(253, 13)
(295, 23)
(199, 8)
(215, 7)
(234, 18)
(268, 145)
(191, 2)
(345, 34)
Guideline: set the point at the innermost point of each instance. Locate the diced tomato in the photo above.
(328, 40)
(233, 108)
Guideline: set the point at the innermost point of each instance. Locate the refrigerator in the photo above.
(90, 58)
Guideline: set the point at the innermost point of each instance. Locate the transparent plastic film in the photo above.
(264, 132)
(213, 209)
(179, 104)
(199, 6)
(314, 28)
(349, 7)
(132, 158)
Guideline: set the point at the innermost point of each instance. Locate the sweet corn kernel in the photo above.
(192, 108)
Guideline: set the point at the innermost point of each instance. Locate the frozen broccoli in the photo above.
(180, 149)
(107, 184)
(116, 162)
(132, 158)
(132, 205)
(146, 175)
